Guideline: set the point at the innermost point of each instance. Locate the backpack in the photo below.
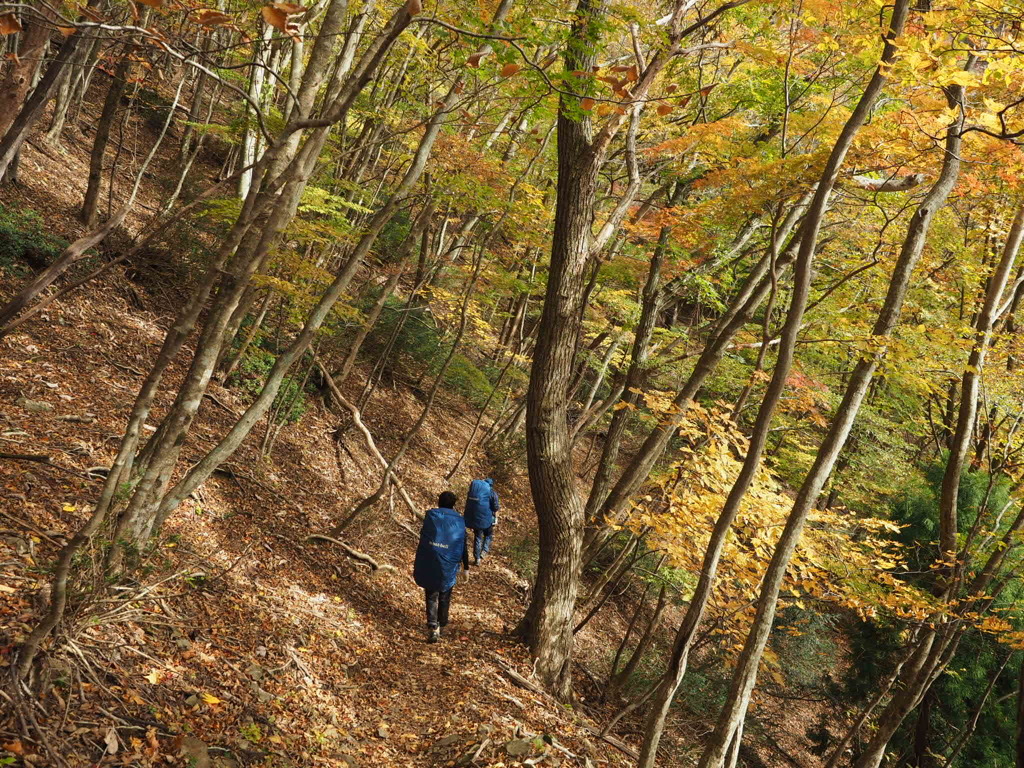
(440, 551)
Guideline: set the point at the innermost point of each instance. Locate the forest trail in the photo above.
(262, 645)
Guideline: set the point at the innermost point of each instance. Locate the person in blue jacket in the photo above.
(482, 507)
(441, 549)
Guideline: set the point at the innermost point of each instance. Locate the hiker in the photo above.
(482, 507)
(442, 547)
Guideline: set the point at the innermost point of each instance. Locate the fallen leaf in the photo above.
(111, 741)
(210, 699)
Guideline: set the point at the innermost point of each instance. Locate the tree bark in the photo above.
(548, 623)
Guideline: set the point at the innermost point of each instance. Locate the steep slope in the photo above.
(245, 637)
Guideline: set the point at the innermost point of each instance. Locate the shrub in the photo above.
(252, 373)
(24, 241)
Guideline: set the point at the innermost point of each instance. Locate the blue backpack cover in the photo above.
(481, 504)
(442, 543)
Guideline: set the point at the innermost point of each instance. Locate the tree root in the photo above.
(355, 554)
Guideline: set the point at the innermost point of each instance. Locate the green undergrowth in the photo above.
(25, 242)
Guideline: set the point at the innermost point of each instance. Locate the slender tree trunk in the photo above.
(230, 443)
(717, 752)
(857, 387)
(118, 83)
(1020, 717)
(915, 686)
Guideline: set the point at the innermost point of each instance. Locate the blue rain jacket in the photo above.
(481, 504)
(442, 547)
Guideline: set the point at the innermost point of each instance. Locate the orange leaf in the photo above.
(587, 104)
(290, 8)
(9, 24)
(474, 60)
(67, 31)
(632, 75)
(672, 88)
(706, 90)
(15, 747)
(664, 109)
(510, 69)
(275, 17)
(210, 18)
(413, 7)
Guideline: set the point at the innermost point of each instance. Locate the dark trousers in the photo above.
(482, 541)
(437, 608)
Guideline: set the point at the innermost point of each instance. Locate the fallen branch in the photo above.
(619, 744)
(42, 458)
(354, 553)
(215, 401)
(518, 679)
(357, 419)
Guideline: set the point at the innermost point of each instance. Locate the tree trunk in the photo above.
(32, 108)
(548, 623)
(1020, 716)
(115, 91)
(857, 387)
(733, 714)
(16, 85)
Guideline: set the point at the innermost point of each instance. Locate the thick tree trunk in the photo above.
(32, 108)
(548, 623)
(16, 85)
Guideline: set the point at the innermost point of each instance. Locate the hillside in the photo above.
(723, 298)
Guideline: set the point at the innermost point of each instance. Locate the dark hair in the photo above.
(447, 500)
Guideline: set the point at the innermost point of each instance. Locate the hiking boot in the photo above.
(435, 635)
(476, 561)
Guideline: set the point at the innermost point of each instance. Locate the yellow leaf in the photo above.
(210, 699)
(69, 507)
(154, 676)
